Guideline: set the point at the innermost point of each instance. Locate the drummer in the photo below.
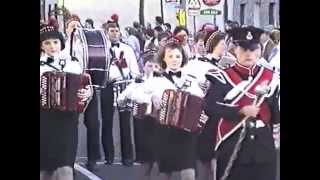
(124, 66)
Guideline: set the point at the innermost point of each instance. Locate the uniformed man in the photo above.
(244, 144)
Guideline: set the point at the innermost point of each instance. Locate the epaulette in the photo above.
(217, 74)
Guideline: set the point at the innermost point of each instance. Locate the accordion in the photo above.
(141, 110)
(59, 91)
(182, 110)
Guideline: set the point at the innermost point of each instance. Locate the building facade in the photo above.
(259, 13)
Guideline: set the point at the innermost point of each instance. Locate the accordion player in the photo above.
(59, 91)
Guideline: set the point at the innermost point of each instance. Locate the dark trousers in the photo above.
(92, 123)
(107, 110)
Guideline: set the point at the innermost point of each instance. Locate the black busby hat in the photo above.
(247, 37)
(49, 32)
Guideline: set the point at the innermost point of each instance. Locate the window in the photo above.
(242, 15)
(271, 13)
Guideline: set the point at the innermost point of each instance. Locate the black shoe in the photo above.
(127, 162)
(108, 162)
(92, 166)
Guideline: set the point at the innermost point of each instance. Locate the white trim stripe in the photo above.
(86, 172)
(233, 102)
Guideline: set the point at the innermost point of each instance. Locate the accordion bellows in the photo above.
(59, 91)
(182, 110)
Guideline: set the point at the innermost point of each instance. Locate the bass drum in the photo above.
(95, 55)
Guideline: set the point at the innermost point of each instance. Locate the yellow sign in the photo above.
(181, 17)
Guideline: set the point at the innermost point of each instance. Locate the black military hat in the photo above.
(50, 32)
(247, 37)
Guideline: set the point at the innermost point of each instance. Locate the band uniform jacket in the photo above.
(131, 70)
(198, 68)
(223, 103)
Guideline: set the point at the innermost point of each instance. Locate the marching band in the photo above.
(210, 101)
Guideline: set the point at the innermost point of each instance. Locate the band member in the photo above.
(199, 49)
(243, 101)
(144, 127)
(215, 47)
(72, 23)
(89, 23)
(123, 67)
(176, 148)
(58, 129)
(183, 35)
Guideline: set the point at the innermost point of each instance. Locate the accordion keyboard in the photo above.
(162, 115)
(44, 86)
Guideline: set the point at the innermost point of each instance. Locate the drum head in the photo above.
(95, 54)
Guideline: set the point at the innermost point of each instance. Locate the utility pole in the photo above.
(161, 5)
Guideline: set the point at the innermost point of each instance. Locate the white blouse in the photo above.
(157, 85)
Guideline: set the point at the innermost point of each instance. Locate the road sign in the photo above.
(169, 1)
(193, 13)
(194, 5)
(210, 12)
(211, 2)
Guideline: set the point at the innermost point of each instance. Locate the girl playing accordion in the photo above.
(175, 148)
(144, 125)
(58, 128)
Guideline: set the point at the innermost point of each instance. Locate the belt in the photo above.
(257, 124)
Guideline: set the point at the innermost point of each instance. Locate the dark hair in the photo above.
(179, 29)
(158, 28)
(168, 25)
(200, 35)
(136, 25)
(90, 21)
(214, 42)
(159, 20)
(163, 35)
(53, 35)
(150, 56)
(228, 22)
(171, 45)
(111, 25)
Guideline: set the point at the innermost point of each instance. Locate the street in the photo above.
(117, 171)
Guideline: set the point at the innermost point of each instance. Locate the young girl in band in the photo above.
(144, 127)
(175, 149)
(58, 130)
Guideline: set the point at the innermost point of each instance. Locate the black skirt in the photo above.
(206, 141)
(58, 139)
(176, 149)
(144, 133)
